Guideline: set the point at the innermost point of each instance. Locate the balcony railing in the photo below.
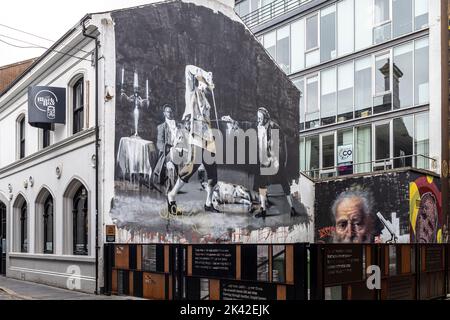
(270, 11)
(418, 161)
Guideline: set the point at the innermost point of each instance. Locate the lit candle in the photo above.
(123, 75)
(136, 81)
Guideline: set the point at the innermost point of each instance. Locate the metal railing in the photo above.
(270, 11)
(418, 161)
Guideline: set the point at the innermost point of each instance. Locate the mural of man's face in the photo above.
(168, 113)
(352, 224)
(426, 219)
(261, 119)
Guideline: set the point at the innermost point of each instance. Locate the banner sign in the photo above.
(46, 106)
(345, 154)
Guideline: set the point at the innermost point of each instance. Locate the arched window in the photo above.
(48, 225)
(21, 137)
(23, 228)
(80, 222)
(78, 106)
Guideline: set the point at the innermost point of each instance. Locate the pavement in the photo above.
(12, 289)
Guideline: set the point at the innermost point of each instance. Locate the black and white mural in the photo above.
(206, 129)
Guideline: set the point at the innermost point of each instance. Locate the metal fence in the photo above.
(278, 271)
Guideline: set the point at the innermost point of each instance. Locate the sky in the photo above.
(48, 19)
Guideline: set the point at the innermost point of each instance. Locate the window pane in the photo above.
(421, 140)
(363, 19)
(312, 58)
(299, 83)
(312, 32)
(345, 151)
(283, 48)
(345, 27)
(345, 92)
(382, 27)
(421, 64)
(403, 141)
(382, 99)
(363, 154)
(327, 151)
(298, 45)
(402, 17)
(328, 33)
(302, 155)
(312, 155)
(328, 96)
(262, 263)
(270, 42)
(420, 14)
(382, 142)
(312, 106)
(403, 76)
(363, 87)
(244, 7)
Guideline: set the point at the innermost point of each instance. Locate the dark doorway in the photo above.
(2, 238)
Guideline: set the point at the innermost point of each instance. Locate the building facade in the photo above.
(373, 79)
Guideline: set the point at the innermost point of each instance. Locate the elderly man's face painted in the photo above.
(352, 224)
(426, 219)
(168, 113)
(261, 119)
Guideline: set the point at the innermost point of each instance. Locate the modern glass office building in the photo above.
(373, 81)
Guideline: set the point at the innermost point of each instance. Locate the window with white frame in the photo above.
(21, 136)
(328, 33)
(78, 106)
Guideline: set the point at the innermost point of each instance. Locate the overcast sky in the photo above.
(46, 18)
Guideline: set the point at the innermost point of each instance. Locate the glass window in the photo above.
(298, 45)
(278, 263)
(345, 151)
(244, 8)
(402, 17)
(345, 92)
(149, 258)
(382, 24)
(270, 43)
(48, 225)
(363, 87)
(80, 222)
(22, 138)
(345, 27)
(262, 263)
(328, 96)
(302, 155)
(382, 142)
(421, 140)
(328, 151)
(299, 83)
(363, 154)
(328, 33)
(78, 106)
(420, 14)
(45, 138)
(421, 65)
(283, 48)
(312, 103)
(312, 32)
(403, 76)
(312, 155)
(363, 19)
(403, 141)
(312, 58)
(24, 228)
(382, 95)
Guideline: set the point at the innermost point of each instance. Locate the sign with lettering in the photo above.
(110, 233)
(245, 290)
(46, 106)
(214, 261)
(345, 154)
(343, 263)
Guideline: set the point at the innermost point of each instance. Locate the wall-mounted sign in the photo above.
(345, 154)
(343, 263)
(110, 233)
(214, 261)
(46, 106)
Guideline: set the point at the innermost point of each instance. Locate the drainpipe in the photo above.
(96, 148)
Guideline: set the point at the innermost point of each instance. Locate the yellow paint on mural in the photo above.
(430, 179)
(414, 195)
(439, 236)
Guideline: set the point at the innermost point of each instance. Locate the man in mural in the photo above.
(355, 222)
(201, 139)
(269, 157)
(427, 219)
(168, 134)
